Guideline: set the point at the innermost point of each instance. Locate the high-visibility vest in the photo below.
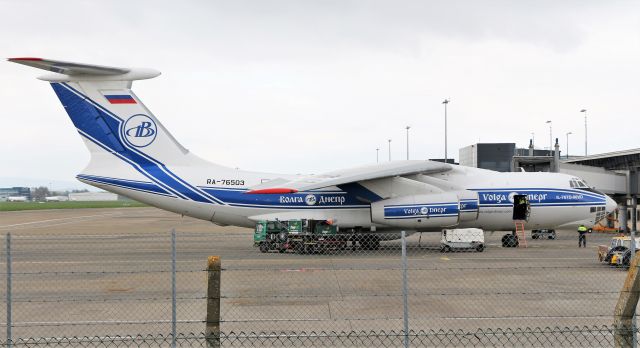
(582, 229)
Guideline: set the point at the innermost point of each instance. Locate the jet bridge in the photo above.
(614, 173)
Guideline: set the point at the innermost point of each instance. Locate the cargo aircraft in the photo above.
(134, 155)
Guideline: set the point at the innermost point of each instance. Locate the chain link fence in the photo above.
(147, 290)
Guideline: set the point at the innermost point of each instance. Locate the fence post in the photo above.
(212, 330)
(626, 307)
(174, 314)
(9, 299)
(405, 290)
(634, 207)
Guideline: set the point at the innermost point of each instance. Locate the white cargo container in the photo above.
(462, 238)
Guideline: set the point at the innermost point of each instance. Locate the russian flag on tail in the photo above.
(120, 99)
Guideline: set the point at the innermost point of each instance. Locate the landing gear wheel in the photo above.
(505, 240)
(480, 248)
(510, 241)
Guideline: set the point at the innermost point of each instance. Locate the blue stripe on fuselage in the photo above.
(89, 120)
(539, 197)
(239, 197)
(303, 200)
(131, 184)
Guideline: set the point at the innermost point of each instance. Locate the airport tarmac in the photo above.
(97, 272)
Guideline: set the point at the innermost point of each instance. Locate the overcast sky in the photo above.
(313, 86)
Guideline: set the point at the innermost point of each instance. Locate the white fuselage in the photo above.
(225, 201)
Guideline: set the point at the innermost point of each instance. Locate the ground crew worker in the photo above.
(582, 236)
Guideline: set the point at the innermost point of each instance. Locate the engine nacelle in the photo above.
(469, 205)
(421, 212)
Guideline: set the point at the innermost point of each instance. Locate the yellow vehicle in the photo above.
(617, 252)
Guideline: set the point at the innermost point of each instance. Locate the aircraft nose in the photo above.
(611, 205)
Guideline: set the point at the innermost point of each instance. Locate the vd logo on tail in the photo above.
(139, 130)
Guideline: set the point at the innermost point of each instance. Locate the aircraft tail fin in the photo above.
(129, 146)
(107, 114)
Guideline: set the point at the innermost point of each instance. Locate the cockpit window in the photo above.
(578, 183)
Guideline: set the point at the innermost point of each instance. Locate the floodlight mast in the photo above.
(445, 102)
(585, 130)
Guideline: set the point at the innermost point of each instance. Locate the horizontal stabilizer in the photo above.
(77, 71)
(69, 68)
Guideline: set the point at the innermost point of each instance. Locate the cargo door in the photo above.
(521, 207)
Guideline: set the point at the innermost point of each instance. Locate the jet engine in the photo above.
(425, 212)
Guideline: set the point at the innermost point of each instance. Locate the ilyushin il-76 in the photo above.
(134, 155)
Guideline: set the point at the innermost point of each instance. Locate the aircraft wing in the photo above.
(352, 175)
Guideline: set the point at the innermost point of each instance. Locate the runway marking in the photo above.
(444, 258)
(60, 219)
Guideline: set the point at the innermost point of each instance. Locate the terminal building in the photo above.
(493, 156)
(499, 156)
(6, 192)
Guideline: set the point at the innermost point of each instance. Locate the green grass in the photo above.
(14, 206)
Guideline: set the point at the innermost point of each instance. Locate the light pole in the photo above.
(445, 102)
(533, 139)
(550, 138)
(568, 133)
(389, 150)
(377, 153)
(408, 127)
(585, 130)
